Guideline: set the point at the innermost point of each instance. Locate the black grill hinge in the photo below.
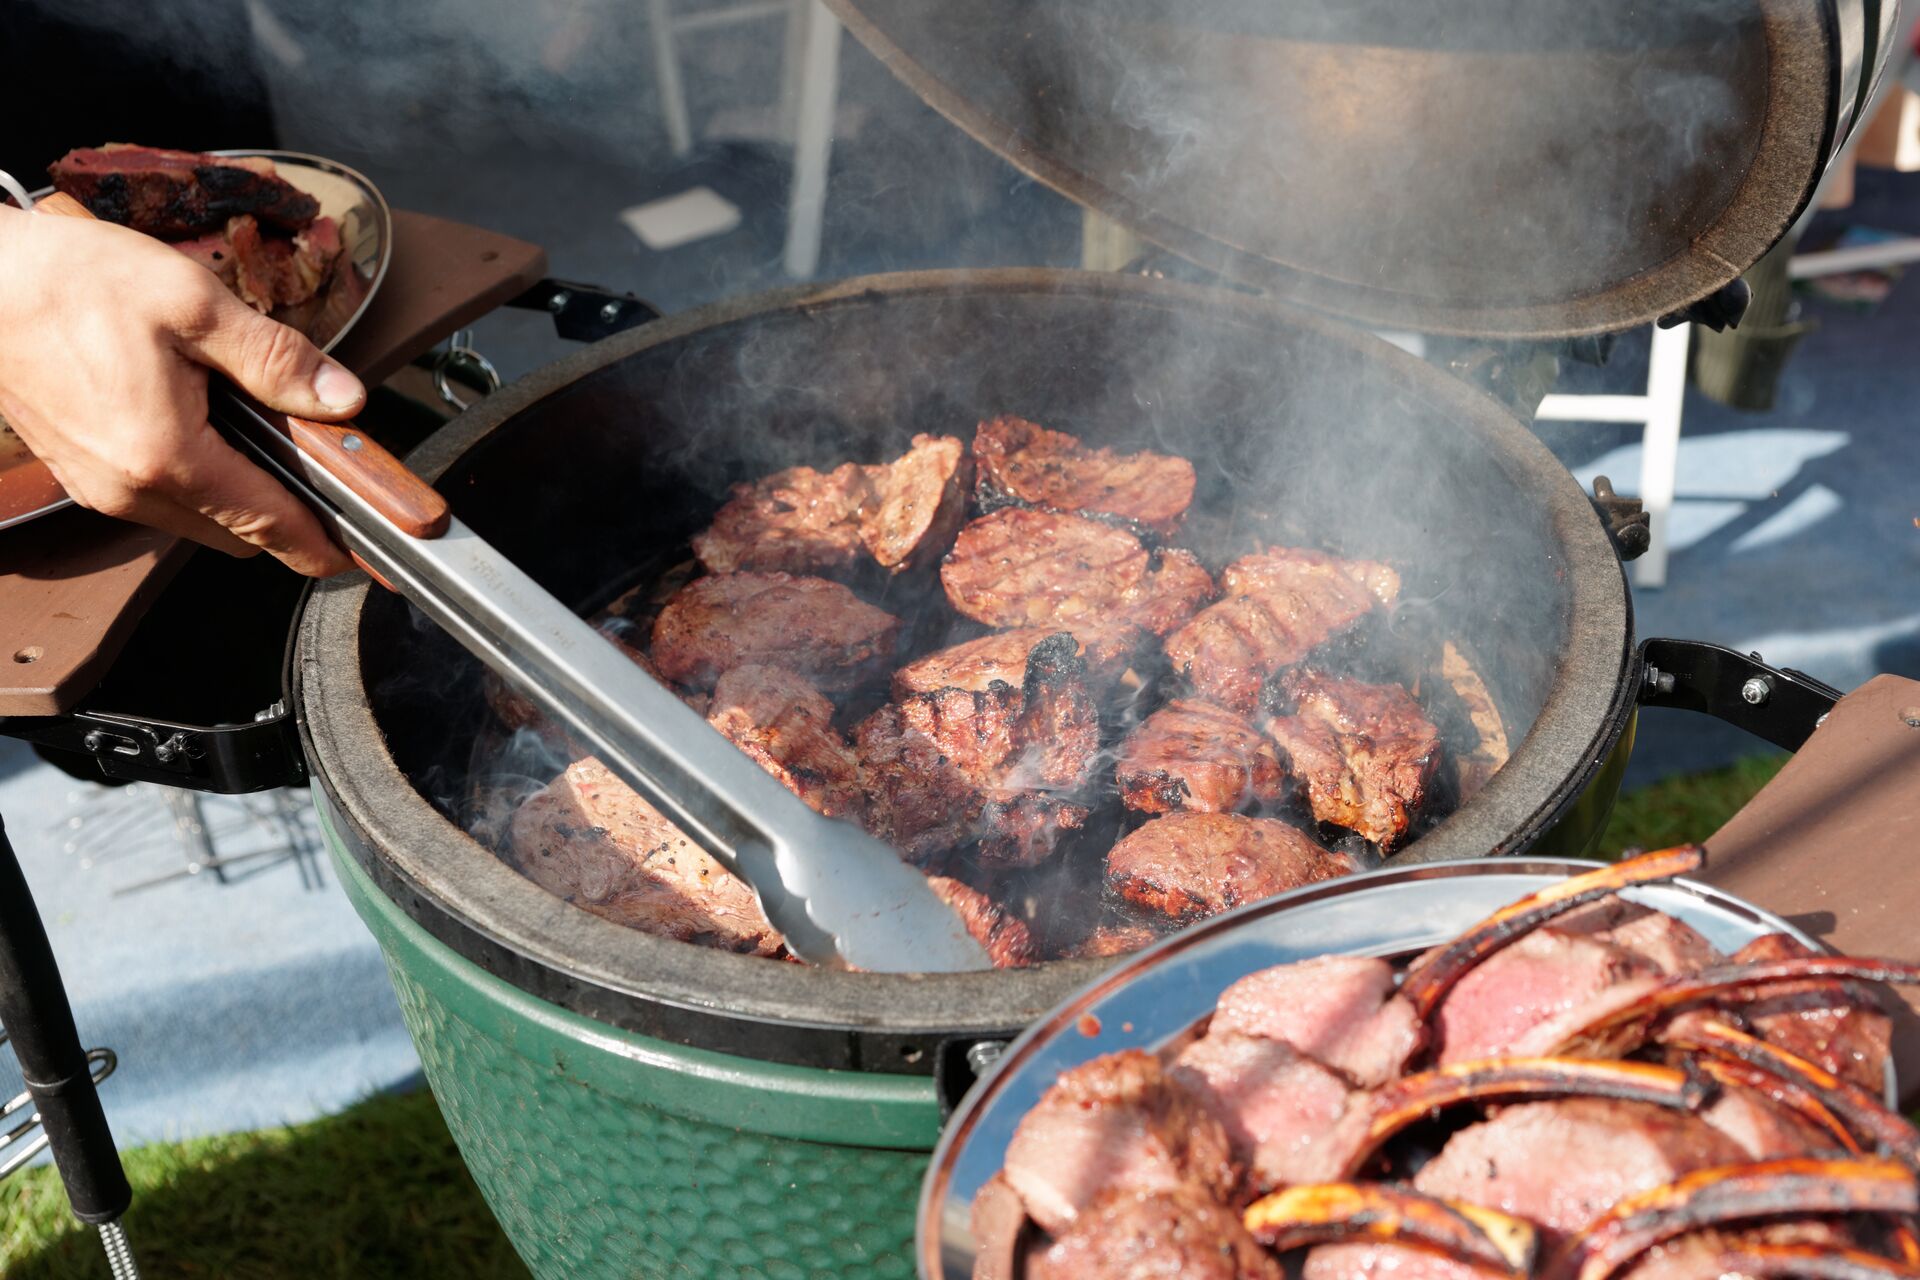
(1778, 704)
(230, 759)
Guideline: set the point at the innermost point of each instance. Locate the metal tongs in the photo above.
(841, 898)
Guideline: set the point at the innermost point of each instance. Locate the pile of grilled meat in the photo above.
(1575, 1088)
(1106, 678)
(234, 215)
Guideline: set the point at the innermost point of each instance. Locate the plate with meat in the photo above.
(298, 237)
(1462, 1071)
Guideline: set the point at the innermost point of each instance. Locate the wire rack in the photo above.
(146, 836)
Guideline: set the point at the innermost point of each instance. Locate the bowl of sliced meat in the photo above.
(1473, 1069)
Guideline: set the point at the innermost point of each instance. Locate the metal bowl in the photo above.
(1160, 993)
(28, 489)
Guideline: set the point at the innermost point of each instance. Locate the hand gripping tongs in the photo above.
(840, 897)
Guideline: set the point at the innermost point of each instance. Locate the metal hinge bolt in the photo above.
(1756, 691)
(983, 1054)
(610, 312)
(1657, 680)
(166, 751)
(558, 302)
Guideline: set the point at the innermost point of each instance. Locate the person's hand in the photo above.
(106, 336)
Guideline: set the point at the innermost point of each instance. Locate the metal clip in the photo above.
(460, 355)
(25, 1132)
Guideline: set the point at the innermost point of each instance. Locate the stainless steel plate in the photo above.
(1161, 992)
(28, 489)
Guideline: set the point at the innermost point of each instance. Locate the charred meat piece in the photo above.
(175, 194)
(1362, 753)
(1114, 940)
(1746, 1192)
(1669, 945)
(1281, 605)
(590, 839)
(932, 770)
(1562, 1164)
(1031, 466)
(920, 501)
(1806, 1249)
(1339, 1211)
(1393, 1262)
(809, 625)
(794, 521)
(1188, 865)
(1146, 1235)
(1339, 1010)
(1193, 755)
(1003, 656)
(1842, 1028)
(1021, 568)
(1007, 941)
(1117, 1123)
(786, 726)
(1058, 732)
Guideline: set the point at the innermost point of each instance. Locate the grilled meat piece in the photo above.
(1842, 1029)
(1117, 1123)
(589, 838)
(917, 801)
(1021, 568)
(1392, 1262)
(270, 272)
(1363, 754)
(809, 625)
(1261, 1091)
(1281, 605)
(920, 501)
(1154, 1235)
(1339, 1010)
(1114, 940)
(1193, 755)
(1003, 656)
(794, 521)
(175, 194)
(1046, 733)
(786, 726)
(1561, 1164)
(1669, 945)
(1031, 466)
(1007, 941)
(1188, 865)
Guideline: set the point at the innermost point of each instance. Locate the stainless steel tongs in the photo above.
(840, 897)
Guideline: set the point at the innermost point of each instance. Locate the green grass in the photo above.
(379, 1191)
(375, 1193)
(1691, 807)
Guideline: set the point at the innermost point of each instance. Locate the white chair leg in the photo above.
(813, 138)
(666, 69)
(1660, 448)
(793, 55)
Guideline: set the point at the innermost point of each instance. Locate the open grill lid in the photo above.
(1513, 168)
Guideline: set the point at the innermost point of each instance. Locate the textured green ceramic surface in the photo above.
(606, 1154)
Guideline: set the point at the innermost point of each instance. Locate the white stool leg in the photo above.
(666, 69)
(813, 138)
(1660, 448)
(793, 54)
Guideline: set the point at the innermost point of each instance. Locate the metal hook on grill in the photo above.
(461, 355)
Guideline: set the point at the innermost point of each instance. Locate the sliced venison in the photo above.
(1163, 1234)
(798, 521)
(785, 726)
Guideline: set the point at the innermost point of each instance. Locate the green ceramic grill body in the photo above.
(635, 1107)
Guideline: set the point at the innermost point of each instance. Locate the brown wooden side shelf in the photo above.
(73, 584)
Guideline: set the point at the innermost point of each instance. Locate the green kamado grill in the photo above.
(634, 1106)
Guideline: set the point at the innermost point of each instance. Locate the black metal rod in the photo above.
(39, 1024)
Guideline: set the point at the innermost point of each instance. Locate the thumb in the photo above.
(273, 363)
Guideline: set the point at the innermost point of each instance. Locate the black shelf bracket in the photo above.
(1778, 704)
(230, 759)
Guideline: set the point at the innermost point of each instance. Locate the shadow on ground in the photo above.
(376, 1191)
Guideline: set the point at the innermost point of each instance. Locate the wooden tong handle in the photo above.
(348, 453)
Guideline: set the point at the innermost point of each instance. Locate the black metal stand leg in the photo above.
(39, 1023)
